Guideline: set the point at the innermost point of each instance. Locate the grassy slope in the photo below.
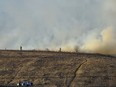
(53, 69)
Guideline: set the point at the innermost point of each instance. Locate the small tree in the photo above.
(59, 49)
(47, 49)
(76, 49)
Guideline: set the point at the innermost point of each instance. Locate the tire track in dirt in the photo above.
(69, 85)
(22, 66)
(14, 75)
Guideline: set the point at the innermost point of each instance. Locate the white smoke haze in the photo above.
(54, 24)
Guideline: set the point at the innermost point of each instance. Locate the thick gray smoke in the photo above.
(41, 24)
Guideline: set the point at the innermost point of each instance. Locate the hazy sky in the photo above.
(40, 24)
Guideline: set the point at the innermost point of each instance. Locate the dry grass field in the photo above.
(57, 69)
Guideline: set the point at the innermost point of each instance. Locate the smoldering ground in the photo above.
(54, 24)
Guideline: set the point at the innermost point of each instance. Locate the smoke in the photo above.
(102, 42)
(54, 24)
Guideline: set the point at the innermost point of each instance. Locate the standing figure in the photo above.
(60, 50)
(21, 48)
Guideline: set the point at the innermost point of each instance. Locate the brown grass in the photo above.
(57, 69)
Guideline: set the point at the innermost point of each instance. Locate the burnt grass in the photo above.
(57, 69)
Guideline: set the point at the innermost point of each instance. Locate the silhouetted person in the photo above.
(21, 48)
(60, 50)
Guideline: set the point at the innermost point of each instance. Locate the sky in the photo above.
(54, 24)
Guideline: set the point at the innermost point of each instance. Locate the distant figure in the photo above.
(60, 50)
(20, 47)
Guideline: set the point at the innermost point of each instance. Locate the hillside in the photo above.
(57, 69)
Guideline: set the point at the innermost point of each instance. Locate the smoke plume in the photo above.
(54, 24)
(103, 44)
